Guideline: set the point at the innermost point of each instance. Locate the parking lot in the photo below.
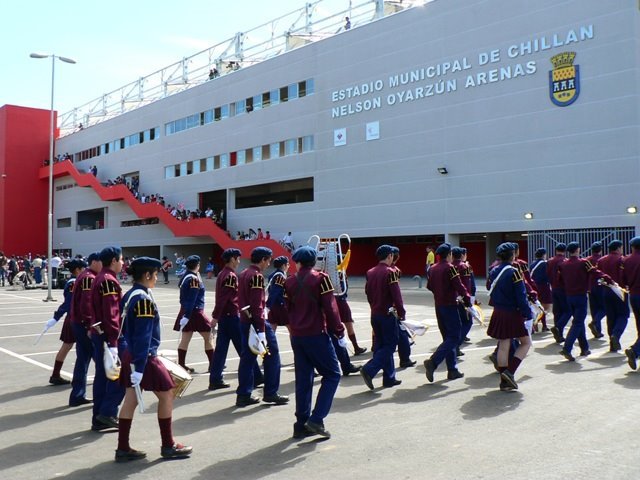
(567, 420)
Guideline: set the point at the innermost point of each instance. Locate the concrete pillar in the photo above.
(452, 238)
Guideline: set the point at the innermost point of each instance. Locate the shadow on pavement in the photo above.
(491, 404)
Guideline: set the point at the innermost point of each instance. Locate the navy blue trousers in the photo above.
(386, 331)
(84, 353)
(341, 353)
(404, 345)
(271, 363)
(466, 322)
(107, 394)
(635, 306)
(617, 313)
(228, 332)
(450, 328)
(596, 306)
(309, 353)
(578, 310)
(561, 311)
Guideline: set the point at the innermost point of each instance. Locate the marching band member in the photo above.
(66, 334)
(631, 278)
(444, 281)
(226, 315)
(275, 299)
(510, 312)
(538, 269)
(404, 340)
(191, 317)
(382, 288)
(140, 364)
(347, 318)
(596, 295)
(106, 294)
(575, 275)
(81, 321)
(313, 318)
(561, 312)
(459, 256)
(617, 310)
(251, 294)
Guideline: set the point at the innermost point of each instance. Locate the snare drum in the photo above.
(179, 375)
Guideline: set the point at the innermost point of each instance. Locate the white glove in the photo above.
(262, 337)
(114, 353)
(473, 299)
(136, 378)
(50, 323)
(342, 342)
(183, 322)
(528, 324)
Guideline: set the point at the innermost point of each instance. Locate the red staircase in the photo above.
(200, 227)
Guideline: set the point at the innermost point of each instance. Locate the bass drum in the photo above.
(180, 376)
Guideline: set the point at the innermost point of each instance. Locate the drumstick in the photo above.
(41, 335)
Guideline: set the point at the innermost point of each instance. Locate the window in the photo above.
(266, 152)
(284, 94)
(196, 166)
(248, 155)
(307, 143)
(206, 117)
(154, 133)
(257, 102)
(240, 157)
(91, 219)
(258, 154)
(266, 99)
(302, 89)
(291, 146)
(183, 169)
(274, 96)
(310, 86)
(217, 114)
(216, 162)
(293, 91)
(170, 171)
(64, 222)
(209, 164)
(224, 160)
(176, 170)
(241, 107)
(274, 151)
(249, 104)
(278, 193)
(224, 111)
(189, 168)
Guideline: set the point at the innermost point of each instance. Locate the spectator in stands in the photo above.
(94, 170)
(287, 242)
(260, 234)
(213, 73)
(347, 23)
(267, 235)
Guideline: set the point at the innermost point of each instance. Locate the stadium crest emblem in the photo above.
(564, 79)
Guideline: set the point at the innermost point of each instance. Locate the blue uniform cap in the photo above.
(230, 253)
(597, 246)
(145, 262)
(540, 252)
(304, 254)
(107, 254)
(635, 242)
(76, 263)
(572, 247)
(383, 251)
(258, 253)
(280, 261)
(504, 248)
(395, 250)
(94, 257)
(192, 261)
(457, 252)
(561, 247)
(614, 245)
(443, 250)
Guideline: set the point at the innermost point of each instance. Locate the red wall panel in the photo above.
(24, 145)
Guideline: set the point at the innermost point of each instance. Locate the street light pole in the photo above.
(51, 141)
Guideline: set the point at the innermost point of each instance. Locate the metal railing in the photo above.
(548, 239)
(287, 32)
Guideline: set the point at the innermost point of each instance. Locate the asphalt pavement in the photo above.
(567, 420)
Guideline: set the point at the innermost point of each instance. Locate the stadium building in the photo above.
(474, 121)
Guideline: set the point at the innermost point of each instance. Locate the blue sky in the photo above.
(115, 42)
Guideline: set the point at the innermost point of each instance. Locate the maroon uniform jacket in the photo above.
(383, 290)
(226, 294)
(311, 306)
(612, 265)
(106, 294)
(251, 293)
(631, 273)
(553, 265)
(523, 267)
(444, 281)
(81, 308)
(594, 261)
(575, 275)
